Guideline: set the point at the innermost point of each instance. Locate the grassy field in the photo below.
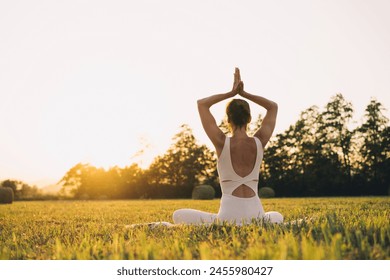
(340, 228)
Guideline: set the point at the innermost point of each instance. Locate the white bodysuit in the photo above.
(233, 209)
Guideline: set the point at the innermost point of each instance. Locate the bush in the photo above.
(6, 195)
(203, 192)
(266, 192)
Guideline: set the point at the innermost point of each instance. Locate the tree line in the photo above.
(171, 175)
(319, 155)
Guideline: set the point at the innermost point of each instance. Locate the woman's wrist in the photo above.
(230, 94)
(244, 94)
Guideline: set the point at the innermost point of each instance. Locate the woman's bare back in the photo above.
(243, 153)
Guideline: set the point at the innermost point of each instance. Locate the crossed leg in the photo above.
(192, 216)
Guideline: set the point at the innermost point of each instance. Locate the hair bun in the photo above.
(238, 112)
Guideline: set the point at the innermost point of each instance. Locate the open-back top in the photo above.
(229, 179)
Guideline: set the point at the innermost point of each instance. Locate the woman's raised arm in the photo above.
(210, 126)
(269, 121)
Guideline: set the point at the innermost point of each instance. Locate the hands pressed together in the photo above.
(210, 125)
(238, 85)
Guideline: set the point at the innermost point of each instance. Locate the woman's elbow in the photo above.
(201, 102)
(273, 106)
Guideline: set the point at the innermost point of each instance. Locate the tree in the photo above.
(86, 181)
(83, 180)
(132, 182)
(10, 184)
(336, 136)
(21, 189)
(375, 148)
(29, 192)
(316, 156)
(184, 165)
(74, 180)
(291, 160)
(312, 157)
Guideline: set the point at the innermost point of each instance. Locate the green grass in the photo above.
(341, 228)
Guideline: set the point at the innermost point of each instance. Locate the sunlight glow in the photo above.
(87, 84)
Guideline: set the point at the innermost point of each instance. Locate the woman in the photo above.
(239, 159)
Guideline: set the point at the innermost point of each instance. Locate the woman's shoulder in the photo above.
(258, 141)
(220, 145)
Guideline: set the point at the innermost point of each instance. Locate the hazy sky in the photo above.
(96, 81)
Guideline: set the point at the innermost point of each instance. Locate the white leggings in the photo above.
(191, 216)
(232, 209)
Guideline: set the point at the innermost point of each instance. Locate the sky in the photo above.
(98, 81)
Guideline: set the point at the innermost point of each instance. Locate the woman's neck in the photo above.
(239, 132)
